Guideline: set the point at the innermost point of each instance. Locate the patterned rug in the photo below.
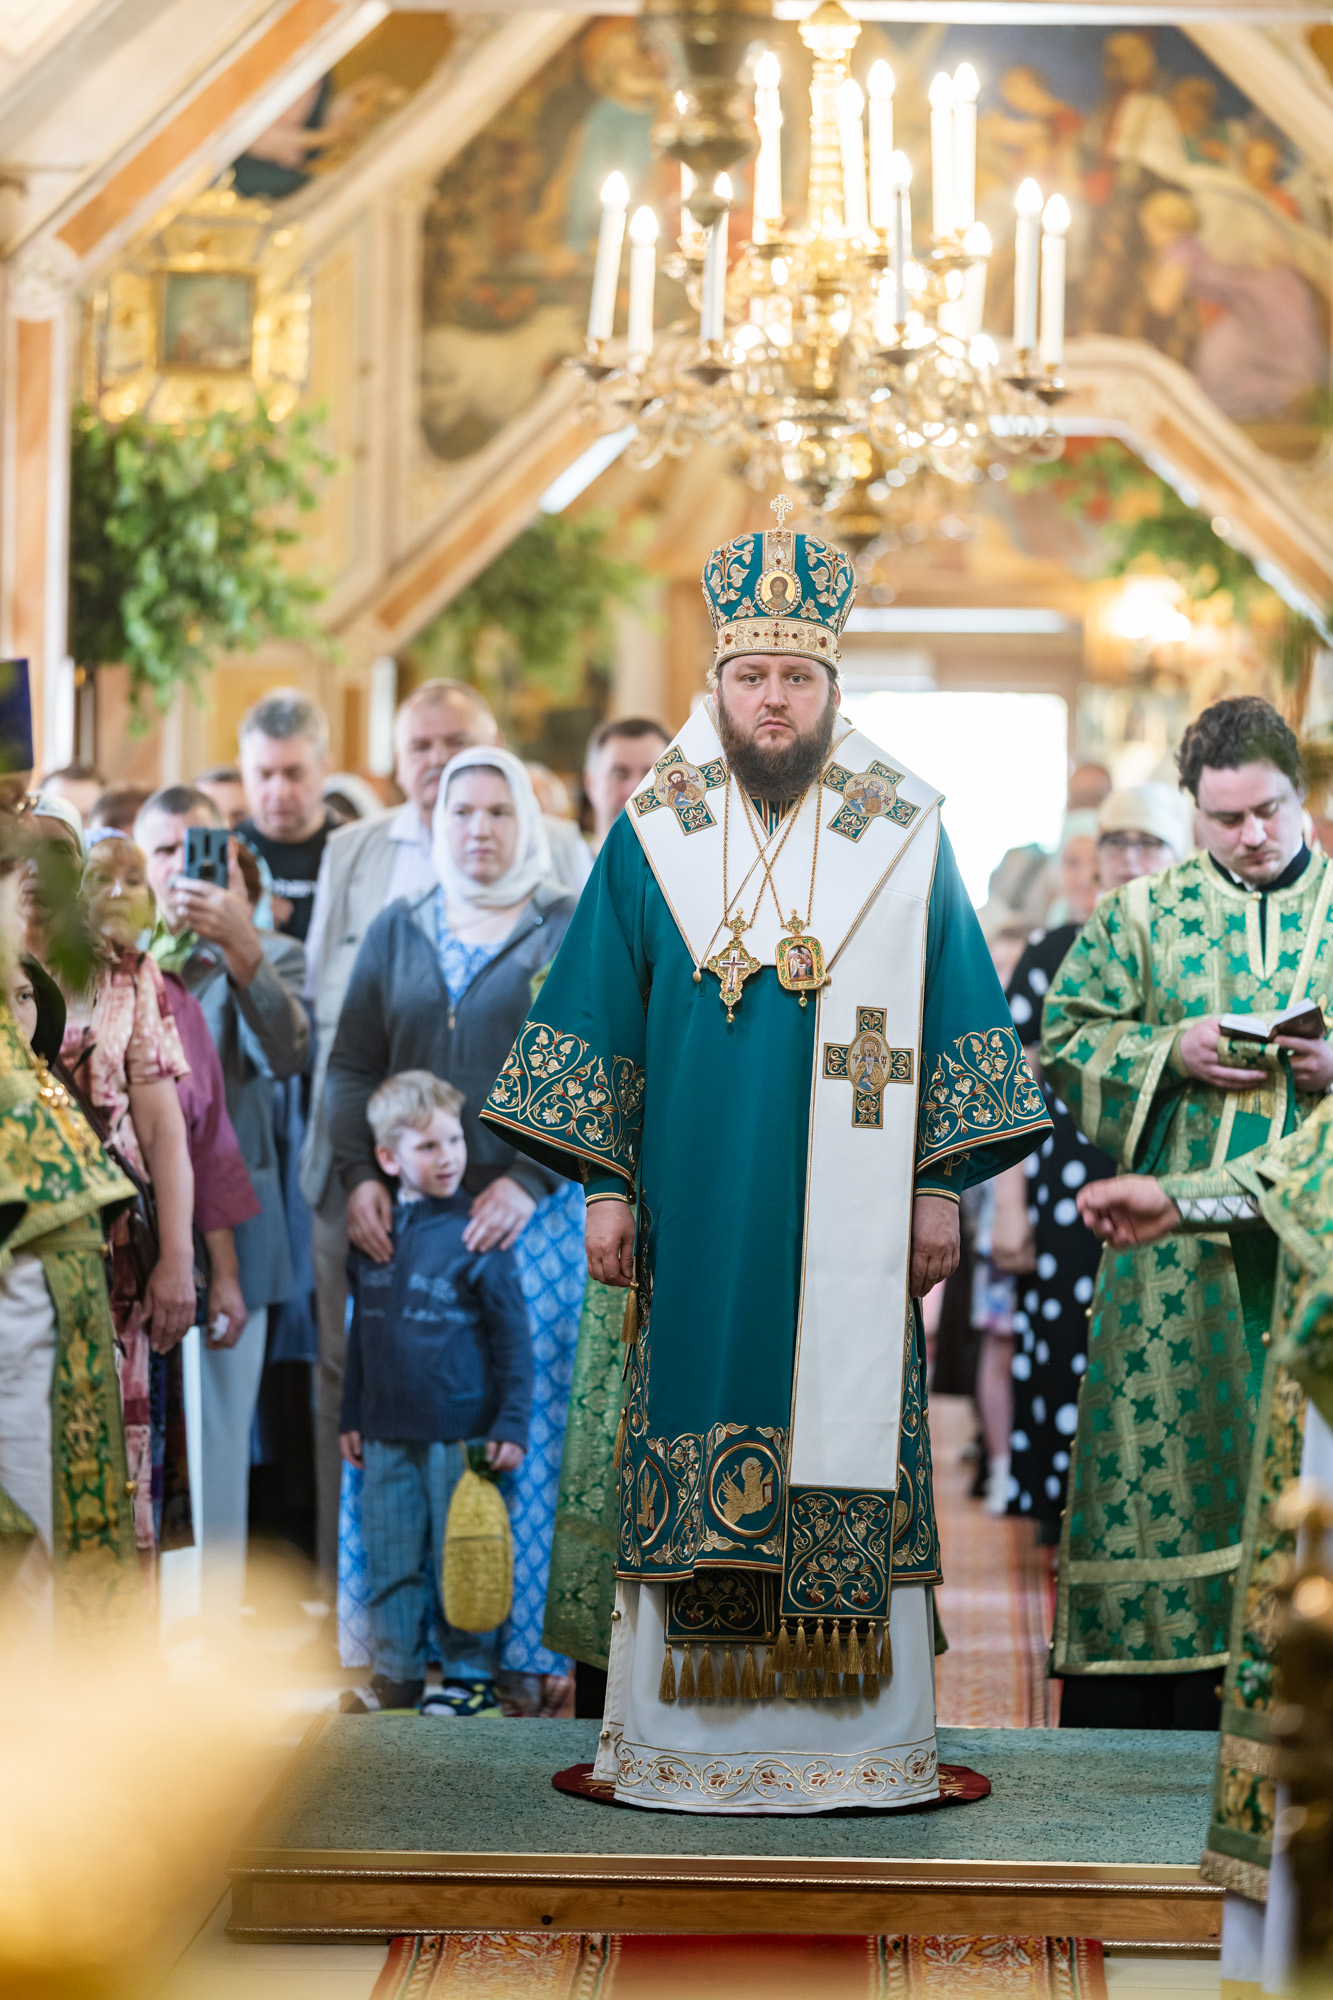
(997, 1599)
(527, 1965)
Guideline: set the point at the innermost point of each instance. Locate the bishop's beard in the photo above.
(777, 775)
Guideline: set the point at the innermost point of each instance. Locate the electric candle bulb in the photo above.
(965, 88)
(642, 279)
(941, 154)
(768, 164)
(1027, 239)
(850, 105)
(712, 316)
(1055, 222)
(900, 174)
(879, 87)
(606, 272)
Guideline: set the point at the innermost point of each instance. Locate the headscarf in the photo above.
(532, 853)
(49, 805)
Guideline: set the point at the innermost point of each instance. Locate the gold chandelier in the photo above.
(833, 354)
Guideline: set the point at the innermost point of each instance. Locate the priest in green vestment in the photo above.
(1283, 1193)
(773, 1048)
(1160, 1461)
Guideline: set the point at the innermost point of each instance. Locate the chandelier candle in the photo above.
(900, 168)
(965, 88)
(1027, 244)
(879, 86)
(941, 156)
(1055, 221)
(768, 164)
(642, 279)
(712, 317)
(851, 103)
(977, 244)
(606, 274)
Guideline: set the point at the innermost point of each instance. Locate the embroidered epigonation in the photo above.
(981, 1086)
(680, 786)
(868, 1063)
(837, 1554)
(866, 796)
(554, 1086)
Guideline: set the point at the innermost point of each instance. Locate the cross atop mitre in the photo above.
(782, 506)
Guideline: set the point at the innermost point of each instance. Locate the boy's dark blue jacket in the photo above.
(440, 1347)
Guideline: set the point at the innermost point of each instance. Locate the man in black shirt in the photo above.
(284, 744)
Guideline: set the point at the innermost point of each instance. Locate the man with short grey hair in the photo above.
(284, 758)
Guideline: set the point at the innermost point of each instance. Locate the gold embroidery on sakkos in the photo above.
(982, 1085)
(554, 1086)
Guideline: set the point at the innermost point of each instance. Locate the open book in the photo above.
(1303, 1020)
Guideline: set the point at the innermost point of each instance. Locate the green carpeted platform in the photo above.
(396, 1822)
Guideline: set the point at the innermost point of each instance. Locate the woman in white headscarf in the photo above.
(444, 984)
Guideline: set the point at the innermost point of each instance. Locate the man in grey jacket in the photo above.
(248, 984)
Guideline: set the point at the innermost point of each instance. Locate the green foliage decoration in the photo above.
(539, 613)
(178, 538)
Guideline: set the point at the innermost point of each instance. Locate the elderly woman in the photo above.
(444, 984)
(123, 1053)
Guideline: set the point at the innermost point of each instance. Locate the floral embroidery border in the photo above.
(981, 1090)
(554, 1087)
(899, 1774)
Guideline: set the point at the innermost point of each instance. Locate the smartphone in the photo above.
(207, 854)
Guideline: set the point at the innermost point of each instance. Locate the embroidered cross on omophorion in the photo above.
(681, 785)
(867, 795)
(868, 1063)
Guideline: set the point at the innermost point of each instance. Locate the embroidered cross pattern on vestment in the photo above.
(867, 795)
(868, 1063)
(681, 785)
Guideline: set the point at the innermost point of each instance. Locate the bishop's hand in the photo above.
(1129, 1209)
(609, 1237)
(935, 1246)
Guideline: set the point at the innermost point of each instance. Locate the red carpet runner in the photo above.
(516, 1965)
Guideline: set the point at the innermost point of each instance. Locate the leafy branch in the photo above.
(178, 535)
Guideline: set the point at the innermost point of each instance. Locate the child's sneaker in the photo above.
(381, 1694)
(462, 1698)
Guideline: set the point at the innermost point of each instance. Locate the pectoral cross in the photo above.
(782, 506)
(733, 966)
(868, 1063)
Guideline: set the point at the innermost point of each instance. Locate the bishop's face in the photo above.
(775, 717)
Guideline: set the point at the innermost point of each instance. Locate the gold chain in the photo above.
(768, 867)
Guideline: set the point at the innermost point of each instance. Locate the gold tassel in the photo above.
(817, 1652)
(885, 1652)
(629, 1326)
(706, 1689)
(749, 1677)
(728, 1675)
(870, 1679)
(618, 1454)
(802, 1655)
(667, 1690)
(853, 1650)
(687, 1675)
(791, 1687)
(835, 1652)
(782, 1651)
(768, 1685)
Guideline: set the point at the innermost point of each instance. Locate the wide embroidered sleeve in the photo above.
(570, 1095)
(980, 1108)
(1108, 1064)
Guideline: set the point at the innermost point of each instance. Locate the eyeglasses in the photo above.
(1125, 843)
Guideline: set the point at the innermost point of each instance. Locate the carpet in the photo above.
(526, 1965)
(959, 1786)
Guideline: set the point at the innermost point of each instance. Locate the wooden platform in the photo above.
(396, 1823)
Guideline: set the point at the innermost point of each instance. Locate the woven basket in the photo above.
(478, 1580)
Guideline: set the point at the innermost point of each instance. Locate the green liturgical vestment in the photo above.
(1282, 1191)
(1166, 1415)
(774, 1513)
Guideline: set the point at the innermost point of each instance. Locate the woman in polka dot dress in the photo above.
(1050, 1323)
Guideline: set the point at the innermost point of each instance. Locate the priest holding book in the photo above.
(1148, 1037)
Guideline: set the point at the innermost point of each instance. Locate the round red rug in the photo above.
(959, 1786)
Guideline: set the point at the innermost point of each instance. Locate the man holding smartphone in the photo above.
(248, 984)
